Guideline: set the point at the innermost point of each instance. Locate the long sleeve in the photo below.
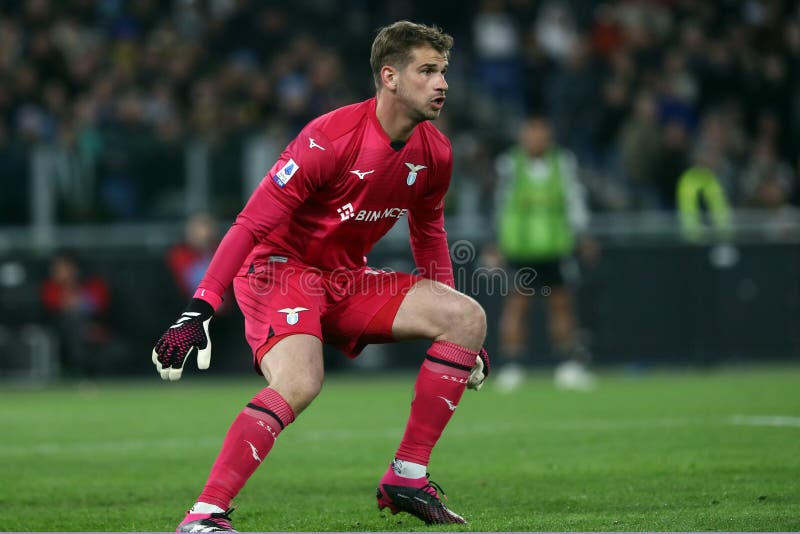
(428, 236)
(430, 249)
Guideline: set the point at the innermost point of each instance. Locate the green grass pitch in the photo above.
(665, 451)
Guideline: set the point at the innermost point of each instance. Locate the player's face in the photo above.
(421, 86)
(536, 136)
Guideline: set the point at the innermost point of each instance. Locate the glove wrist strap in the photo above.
(200, 306)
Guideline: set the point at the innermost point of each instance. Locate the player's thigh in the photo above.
(432, 310)
(278, 302)
(362, 308)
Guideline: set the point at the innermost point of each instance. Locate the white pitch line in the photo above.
(120, 446)
(766, 420)
(327, 435)
(131, 445)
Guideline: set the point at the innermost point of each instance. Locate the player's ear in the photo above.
(389, 77)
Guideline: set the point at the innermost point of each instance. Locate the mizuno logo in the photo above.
(449, 404)
(313, 144)
(360, 174)
(255, 451)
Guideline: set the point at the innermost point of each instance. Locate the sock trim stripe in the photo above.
(453, 352)
(266, 411)
(447, 363)
(270, 398)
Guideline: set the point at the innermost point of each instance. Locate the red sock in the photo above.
(440, 383)
(247, 443)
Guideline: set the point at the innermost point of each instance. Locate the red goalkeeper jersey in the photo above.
(337, 188)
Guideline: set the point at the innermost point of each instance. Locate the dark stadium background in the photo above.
(120, 119)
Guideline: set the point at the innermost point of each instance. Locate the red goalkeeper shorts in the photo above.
(348, 308)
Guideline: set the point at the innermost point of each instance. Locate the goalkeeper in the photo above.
(295, 256)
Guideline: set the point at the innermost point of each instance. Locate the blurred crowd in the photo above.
(639, 90)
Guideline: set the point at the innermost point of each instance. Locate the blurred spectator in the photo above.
(700, 188)
(124, 90)
(607, 158)
(679, 89)
(556, 31)
(536, 66)
(640, 144)
(496, 41)
(719, 74)
(14, 164)
(541, 213)
(672, 160)
(607, 36)
(189, 259)
(77, 306)
(720, 146)
(572, 101)
(767, 181)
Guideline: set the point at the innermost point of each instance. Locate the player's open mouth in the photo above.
(438, 102)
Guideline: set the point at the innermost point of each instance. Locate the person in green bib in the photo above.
(541, 211)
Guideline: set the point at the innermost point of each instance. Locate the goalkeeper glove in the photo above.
(188, 334)
(479, 371)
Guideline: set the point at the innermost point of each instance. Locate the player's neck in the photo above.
(393, 119)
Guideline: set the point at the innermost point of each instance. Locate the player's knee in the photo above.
(308, 387)
(299, 389)
(469, 321)
(478, 319)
